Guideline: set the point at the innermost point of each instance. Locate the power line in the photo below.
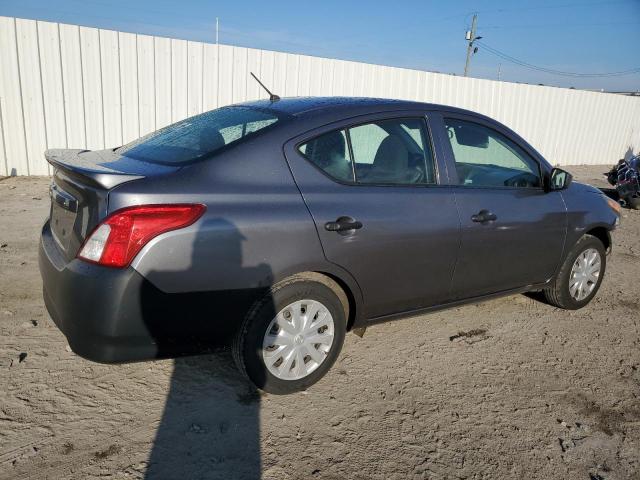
(562, 25)
(555, 6)
(522, 63)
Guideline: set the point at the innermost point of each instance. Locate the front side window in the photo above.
(198, 136)
(486, 158)
(389, 152)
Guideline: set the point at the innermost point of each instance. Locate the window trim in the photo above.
(347, 134)
(422, 117)
(502, 130)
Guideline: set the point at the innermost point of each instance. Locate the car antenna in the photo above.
(272, 96)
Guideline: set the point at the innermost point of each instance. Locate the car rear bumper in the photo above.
(97, 308)
(115, 315)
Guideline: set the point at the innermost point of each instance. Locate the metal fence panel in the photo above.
(92, 87)
(146, 84)
(79, 87)
(32, 97)
(13, 135)
(52, 89)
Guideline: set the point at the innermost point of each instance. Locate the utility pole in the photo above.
(499, 71)
(471, 37)
(217, 65)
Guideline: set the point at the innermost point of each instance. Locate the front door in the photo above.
(373, 191)
(513, 232)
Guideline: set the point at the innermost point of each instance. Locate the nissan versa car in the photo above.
(278, 226)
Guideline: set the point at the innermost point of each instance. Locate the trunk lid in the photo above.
(80, 188)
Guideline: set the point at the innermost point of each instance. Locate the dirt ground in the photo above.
(511, 388)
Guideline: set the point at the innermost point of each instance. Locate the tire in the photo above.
(633, 202)
(558, 293)
(292, 297)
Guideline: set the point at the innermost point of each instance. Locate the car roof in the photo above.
(317, 106)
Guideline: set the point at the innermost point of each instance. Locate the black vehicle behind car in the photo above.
(625, 176)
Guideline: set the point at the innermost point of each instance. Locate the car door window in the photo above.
(388, 152)
(486, 158)
(392, 152)
(330, 153)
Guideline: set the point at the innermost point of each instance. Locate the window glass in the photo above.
(198, 136)
(331, 153)
(416, 133)
(392, 152)
(365, 141)
(486, 158)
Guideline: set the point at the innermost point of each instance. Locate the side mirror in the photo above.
(558, 179)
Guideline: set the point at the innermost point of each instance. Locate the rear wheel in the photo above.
(292, 336)
(580, 276)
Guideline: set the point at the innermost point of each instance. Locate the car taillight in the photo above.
(120, 236)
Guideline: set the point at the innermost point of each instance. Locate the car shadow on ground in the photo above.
(210, 426)
(210, 423)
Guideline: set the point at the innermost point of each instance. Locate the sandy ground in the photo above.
(531, 392)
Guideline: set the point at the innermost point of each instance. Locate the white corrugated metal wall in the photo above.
(66, 86)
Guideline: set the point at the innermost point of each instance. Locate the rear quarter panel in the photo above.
(256, 229)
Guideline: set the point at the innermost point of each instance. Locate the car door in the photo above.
(513, 231)
(373, 187)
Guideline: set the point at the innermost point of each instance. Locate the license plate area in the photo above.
(64, 208)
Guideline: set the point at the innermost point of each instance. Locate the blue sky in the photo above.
(568, 35)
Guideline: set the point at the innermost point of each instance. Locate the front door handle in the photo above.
(484, 216)
(343, 224)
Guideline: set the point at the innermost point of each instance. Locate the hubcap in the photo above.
(298, 340)
(584, 274)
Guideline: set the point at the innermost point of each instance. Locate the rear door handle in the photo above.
(343, 224)
(484, 216)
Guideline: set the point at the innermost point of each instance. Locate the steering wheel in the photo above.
(522, 180)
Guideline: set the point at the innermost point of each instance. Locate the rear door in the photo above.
(513, 232)
(373, 187)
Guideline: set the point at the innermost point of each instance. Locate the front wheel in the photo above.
(293, 335)
(580, 276)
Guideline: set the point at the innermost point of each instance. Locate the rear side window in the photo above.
(199, 136)
(330, 152)
(389, 152)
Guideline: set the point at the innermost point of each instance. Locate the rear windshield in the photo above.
(199, 136)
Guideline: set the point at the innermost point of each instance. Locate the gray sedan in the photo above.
(278, 226)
